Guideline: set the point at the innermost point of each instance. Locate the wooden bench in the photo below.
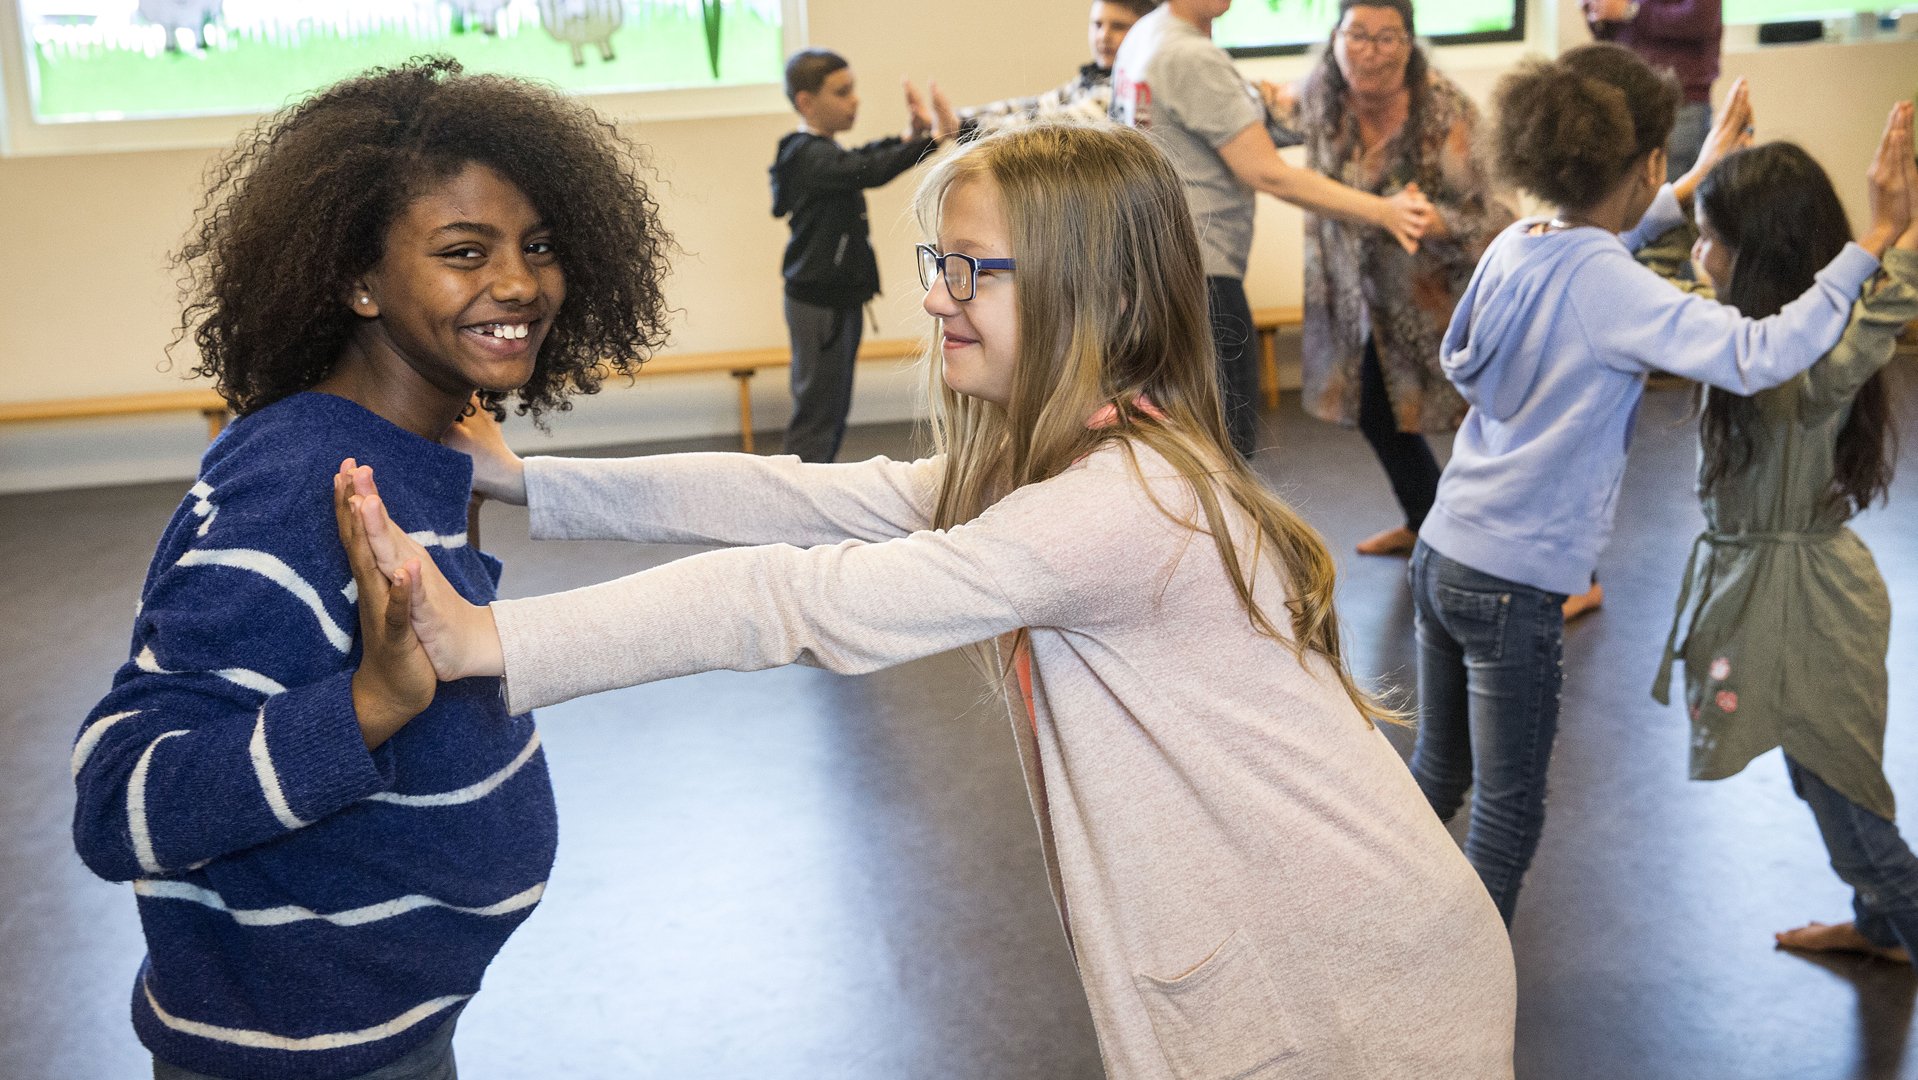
(202, 400)
(741, 364)
(1267, 322)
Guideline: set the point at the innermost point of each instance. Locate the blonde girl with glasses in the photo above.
(1244, 870)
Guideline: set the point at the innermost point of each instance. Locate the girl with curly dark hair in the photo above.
(328, 848)
(1550, 345)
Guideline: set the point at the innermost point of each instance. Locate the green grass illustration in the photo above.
(242, 72)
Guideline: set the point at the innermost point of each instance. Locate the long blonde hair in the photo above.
(1111, 305)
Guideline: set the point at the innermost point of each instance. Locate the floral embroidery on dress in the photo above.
(1727, 701)
(1721, 669)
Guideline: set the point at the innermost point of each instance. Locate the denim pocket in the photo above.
(1474, 618)
(1222, 1019)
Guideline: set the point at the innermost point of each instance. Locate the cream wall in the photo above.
(93, 303)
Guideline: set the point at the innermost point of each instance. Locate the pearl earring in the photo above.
(366, 299)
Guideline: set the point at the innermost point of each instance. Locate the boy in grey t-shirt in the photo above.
(1173, 83)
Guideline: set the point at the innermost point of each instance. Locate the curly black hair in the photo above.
(1568, 129)
(300, 208)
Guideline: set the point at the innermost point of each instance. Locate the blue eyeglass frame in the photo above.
(939, 258)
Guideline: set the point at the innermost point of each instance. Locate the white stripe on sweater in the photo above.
(268, 777)
(90, 738)
(266, 1040)
(359, 916)
(470, 793)
(429, 538)
(276, 571)
(137, 808)
(203, 506)
(251, 680)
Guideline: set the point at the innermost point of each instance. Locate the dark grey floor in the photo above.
(792, 874)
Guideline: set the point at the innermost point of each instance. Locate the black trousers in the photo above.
(1237, 346)
(1407, 457)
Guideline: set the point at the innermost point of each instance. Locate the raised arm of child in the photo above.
(1889, 305)
(1662, 329)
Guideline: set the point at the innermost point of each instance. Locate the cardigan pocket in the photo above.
(1221, 1020)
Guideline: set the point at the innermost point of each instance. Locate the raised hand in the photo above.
(916, 112)
(1909, 240)
(1408, 215)
(395, 681)
(945, 121)
(1891, 179)
(1731, 132)
(458, 638)
(498, 473)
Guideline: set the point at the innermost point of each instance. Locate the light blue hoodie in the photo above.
(1550, 345)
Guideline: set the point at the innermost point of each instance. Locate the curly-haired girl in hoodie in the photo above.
(1551, 345)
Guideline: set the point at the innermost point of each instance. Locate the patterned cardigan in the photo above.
(1359, 278)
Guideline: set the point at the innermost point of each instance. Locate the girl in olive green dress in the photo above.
(1789, 620)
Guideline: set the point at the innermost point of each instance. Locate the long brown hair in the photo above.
(1774, 207)
(1111, 307)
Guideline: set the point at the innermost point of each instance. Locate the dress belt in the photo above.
(1661, 684)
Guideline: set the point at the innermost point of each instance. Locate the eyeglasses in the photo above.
(1385, 41)
(960, 271)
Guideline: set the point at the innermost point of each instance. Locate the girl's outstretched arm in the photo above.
(700, 498)
(1030, 560)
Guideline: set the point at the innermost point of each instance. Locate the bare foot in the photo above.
(1399, 541)
(1585, 602)
(1838, 937)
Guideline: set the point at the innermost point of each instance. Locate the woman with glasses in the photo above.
(1375, 116)
(1245, 872)
(1174, 83)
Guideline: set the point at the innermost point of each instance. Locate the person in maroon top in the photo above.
(1683, 35)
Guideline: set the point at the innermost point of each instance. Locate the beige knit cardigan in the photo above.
(1249, 878)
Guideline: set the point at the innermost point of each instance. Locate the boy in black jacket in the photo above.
(829, 267)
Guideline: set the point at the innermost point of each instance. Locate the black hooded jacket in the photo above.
(829, 261)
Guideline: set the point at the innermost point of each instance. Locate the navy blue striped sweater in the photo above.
(313, 910)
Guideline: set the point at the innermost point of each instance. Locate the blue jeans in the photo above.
(1490, 663)
(1869, 856)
